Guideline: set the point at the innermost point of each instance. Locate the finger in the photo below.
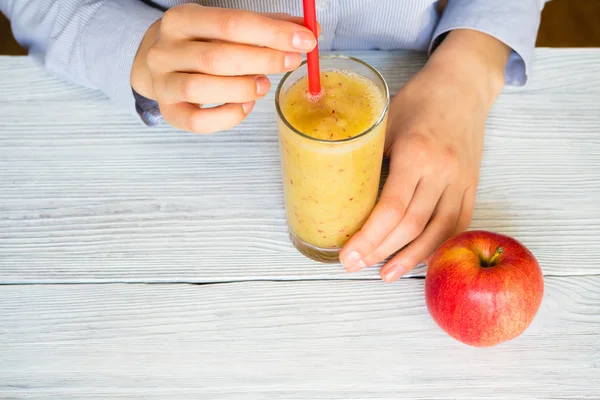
(427, 196)
(386, 215)
(466, 210)
(195, 22)
(225, 59)
(427, 259)
(207, 89)
(464, 217)
(437, 231)
(191, 118)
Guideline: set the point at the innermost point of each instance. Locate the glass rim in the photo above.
(340, 57)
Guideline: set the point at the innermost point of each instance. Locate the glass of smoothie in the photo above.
(331, 152)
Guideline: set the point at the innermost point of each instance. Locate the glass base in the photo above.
(327, 256)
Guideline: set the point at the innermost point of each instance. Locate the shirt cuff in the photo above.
(147, 109)
(515, 23)
(110, 43)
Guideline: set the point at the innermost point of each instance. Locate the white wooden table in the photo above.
(155, 264)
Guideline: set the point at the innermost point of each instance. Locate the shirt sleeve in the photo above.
(515, 23)
(87, 42)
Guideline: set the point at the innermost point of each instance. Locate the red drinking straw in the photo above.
(312, 58)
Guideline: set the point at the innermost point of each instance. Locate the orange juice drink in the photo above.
(331, 153)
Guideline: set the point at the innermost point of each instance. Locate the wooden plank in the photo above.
(8, 44)
(88, 196)
(292, 340)
(553, 70)
(91, 195)
(570, 23)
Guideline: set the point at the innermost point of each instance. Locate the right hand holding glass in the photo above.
(198, 55)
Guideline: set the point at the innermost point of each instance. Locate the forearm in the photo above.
(87, 42)
(51, 32)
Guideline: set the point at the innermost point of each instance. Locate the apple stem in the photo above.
(498, 253)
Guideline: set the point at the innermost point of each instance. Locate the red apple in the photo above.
(483, 288)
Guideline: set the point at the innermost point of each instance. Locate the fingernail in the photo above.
(262, 85)
(427, 260)
(358, 266)
(303, 41)
(393, 273)
(247, 107)
(352, 261)
(291, 60)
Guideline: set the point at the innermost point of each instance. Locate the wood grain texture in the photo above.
(556, 70)
(89, 194)
(292, 340)
(570, 23)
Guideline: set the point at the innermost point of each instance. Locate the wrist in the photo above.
(475, 58)
(141, 78)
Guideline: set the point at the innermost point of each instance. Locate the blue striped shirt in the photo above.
(93, 42)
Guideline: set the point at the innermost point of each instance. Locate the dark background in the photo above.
(565, 23)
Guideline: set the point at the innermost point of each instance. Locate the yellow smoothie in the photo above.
(331, 175)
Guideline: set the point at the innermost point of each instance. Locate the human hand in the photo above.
(197, 55)
(435, 143)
